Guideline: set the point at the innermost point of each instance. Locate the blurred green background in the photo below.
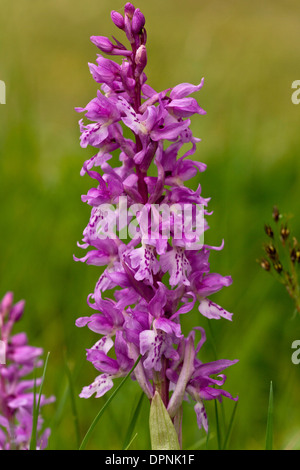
(248, 52)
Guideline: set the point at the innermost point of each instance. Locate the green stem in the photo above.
(161, 383)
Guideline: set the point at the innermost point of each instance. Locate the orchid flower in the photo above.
(153, 280)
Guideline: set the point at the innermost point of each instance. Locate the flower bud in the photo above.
(141, 59)
(129, 10)
(102, 43)
(17, 311)
(117, 19)
(6, 303)
(128, 30)
(138, 21)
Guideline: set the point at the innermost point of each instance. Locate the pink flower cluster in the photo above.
(17, 360)
(143, 144)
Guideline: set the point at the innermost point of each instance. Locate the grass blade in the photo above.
(127, 447)
(96, 419)
(64, 396)
(208, 437)
(73, 403)
(218, 426)
(200, 443)
(32, 445)
(132, 424)
(214, 349)
(36, 407)
(230, 425)
(269, 432)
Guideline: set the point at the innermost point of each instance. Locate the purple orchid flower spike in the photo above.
(17, 360)
(156, 266)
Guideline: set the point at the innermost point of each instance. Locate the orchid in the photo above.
(16, 397)
(158, 276)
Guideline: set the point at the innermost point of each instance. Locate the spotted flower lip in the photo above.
(111, 368)
(16, 395)
(144, 146)
(144, 259)
(210, 309)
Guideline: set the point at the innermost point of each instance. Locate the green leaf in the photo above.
(230, 425)
(61, 402)
(218, 426)
(73, 401)
(162, 431)
(132, 424)
(269, 432)
(201, 442)
(127, 447)
(36, 407)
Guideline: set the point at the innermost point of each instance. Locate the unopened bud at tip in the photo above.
(117, 19)
(129, 10)
(7, 302)
(17, 311)
(138, 21)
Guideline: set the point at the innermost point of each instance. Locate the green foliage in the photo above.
(36, 407)
(132, 424)
(162, 430)
(269, 432)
